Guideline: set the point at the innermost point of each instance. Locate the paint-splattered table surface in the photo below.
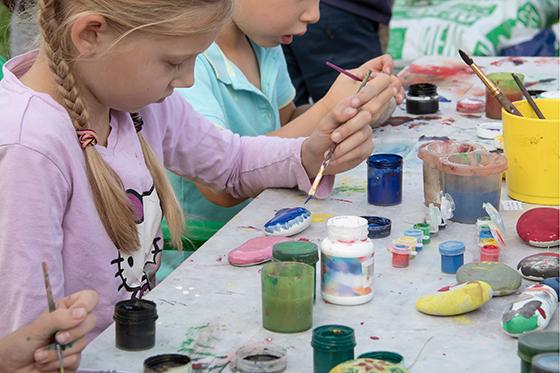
(208, 309)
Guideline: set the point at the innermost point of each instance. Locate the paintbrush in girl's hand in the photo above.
(342, 71)
(330, 153)
(52, 308)
(528, 96)
(492, 87)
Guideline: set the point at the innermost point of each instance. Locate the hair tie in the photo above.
(137, 120)
(86, 137)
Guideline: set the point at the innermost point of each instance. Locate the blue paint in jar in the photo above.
(418, 234)
(452, 255)
(385, 179)
(485, 234)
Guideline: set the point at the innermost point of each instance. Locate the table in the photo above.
(209, 309)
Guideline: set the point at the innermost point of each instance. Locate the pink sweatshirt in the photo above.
(46, 205)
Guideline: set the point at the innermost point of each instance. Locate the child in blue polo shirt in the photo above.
(242, 84)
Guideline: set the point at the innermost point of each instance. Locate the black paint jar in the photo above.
(135, 324)
(176, 363)
(378, 227)
(422, 98)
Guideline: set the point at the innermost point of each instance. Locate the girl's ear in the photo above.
(89, 34)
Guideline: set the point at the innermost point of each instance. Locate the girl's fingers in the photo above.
(47, 355)
(371, 90)
(342, 133)
(352, 159)
(71, 363)
(377, 106)
(351, 147)
(66, 336)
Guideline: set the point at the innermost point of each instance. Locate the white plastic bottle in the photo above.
(347, 260)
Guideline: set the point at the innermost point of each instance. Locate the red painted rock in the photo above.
(540, 266)
(540, 227)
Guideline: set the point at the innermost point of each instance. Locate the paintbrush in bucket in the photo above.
(528, 96)
(52, 308)
(492, 87)
(330, 152)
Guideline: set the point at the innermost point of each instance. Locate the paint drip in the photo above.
(288, 221)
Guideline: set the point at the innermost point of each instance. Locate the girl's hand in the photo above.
(348, 127)
(26, 350)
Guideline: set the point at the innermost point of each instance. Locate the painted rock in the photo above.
(456, 300)
(368, 366)
(530, 312)
(537, 267)
(288, 222)
(540, 227)
(254, 251)
(503, 279)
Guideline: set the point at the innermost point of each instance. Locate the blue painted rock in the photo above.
(537, 267)
(288, 221)
(503, 279)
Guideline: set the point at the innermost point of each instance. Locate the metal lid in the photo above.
(535, 343)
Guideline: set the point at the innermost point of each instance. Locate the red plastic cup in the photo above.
(489, 253)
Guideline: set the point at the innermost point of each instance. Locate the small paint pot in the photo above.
(485, 234)
(261, 358)
(406, 241)
(168, 363)
(532, 344)
(332, 345)
(385, 179)
(400, 256)
(509, 89)
(135, 324)
(452, 256)
(422, 98)
(388, 356)
(489, 253)
(488, 241)
(418, 235)
(298, 251)
(425, 228)
(482, 223)
(470, 106)
(378, 227)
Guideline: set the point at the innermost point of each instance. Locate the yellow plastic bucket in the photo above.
(532, 148)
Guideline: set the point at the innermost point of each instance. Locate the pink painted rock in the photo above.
(540, 227)
(254, 251)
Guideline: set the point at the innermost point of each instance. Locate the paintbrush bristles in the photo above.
(469, 61)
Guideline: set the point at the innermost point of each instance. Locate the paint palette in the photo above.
(288, 221)
(540, 227)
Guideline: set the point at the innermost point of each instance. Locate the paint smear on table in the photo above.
(199, 344)
(514, 60)
(463, 320)
(320, 218)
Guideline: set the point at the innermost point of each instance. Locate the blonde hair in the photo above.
(159, 17)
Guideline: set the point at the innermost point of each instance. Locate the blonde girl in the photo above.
(88, 124)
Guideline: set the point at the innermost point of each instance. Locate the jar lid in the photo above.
(385, 160)
(333, 338)
(261, 358)
(532, 344)
(545, 363)
(347, 228)
(366, 365)
(451, 248)
(296, 251)
(389, 356)
(167, 362)
(378, 227)
(418, 233)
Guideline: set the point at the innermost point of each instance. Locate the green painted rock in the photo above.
(504, 280)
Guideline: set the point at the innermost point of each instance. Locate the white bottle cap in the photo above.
(347, 228)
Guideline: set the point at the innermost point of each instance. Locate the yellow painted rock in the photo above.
(457, 300)
(367, 366)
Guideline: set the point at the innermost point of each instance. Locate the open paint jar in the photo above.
(431, 154)
(509, 88)
(388, 356)
(400, 255)
(332, 345)
(384, 179)
(287, 296)
(298, 251)
(532, 344)
(135, 324)
(425, 228)
(473, 179)
(261, 358)
(418, 235)
(168, 363)
(378, 227)
(490, 253)
(452, 256)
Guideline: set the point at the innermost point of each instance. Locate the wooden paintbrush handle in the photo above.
(507, 105)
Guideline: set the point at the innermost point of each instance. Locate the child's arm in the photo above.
(218, 197)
